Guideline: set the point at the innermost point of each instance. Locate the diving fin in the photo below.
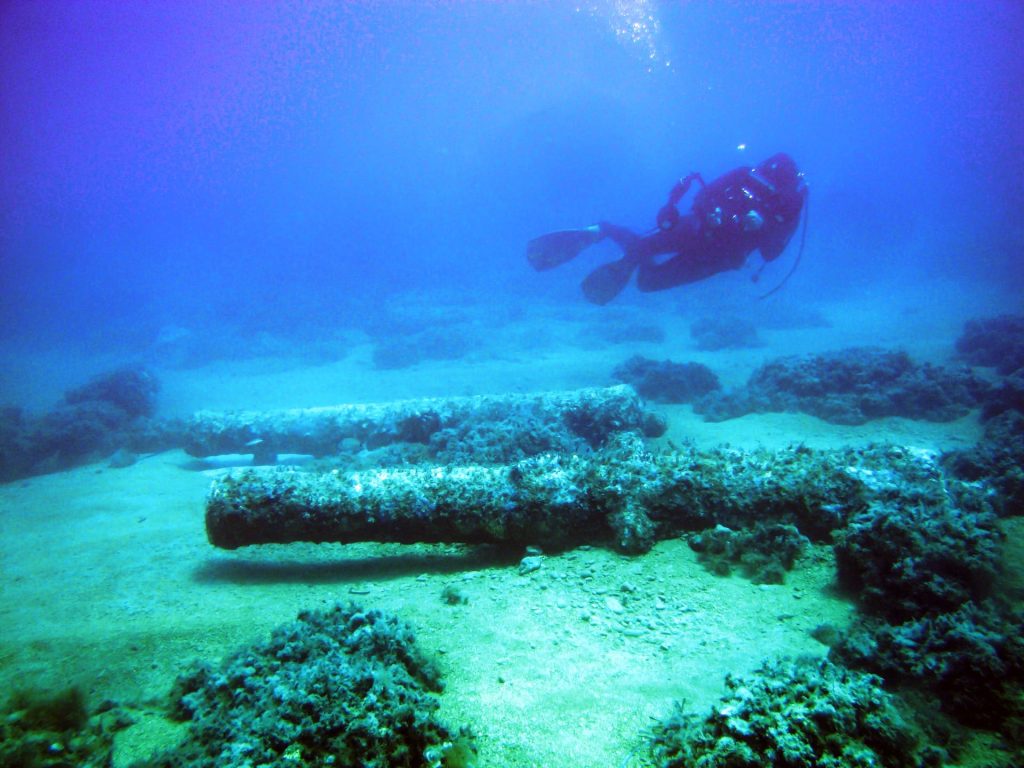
(607, 281)
(550, 250)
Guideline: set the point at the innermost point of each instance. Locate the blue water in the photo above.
(310, 202)
(282, 165)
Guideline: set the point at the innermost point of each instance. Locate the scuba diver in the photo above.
(747, 209)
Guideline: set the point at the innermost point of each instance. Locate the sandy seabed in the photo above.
(110, 584)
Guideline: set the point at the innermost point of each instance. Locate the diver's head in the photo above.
(781, 171)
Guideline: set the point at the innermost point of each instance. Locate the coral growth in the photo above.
(338, 687)
(802, 714)
(1007, 395)
(478, 429)
(40, 729)
(996, 464)
(132, 390)
(913, 552)
(852, 386)
(996, 341)
(764, 552)
(970, 661)
(666, 381)
(113, 411)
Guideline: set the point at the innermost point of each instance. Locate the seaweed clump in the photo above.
(924, 558)
(970, 661)
(852, 386)
(798, 714)
(337, 687)
(51, 730)
(907, 561)
(666, 381)
(764, 552)
(996, 464)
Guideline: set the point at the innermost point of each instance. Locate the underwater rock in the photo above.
(970, 661)
(764, 552)
(16, 452)
(122, 458)
(995, 466)
(805, 714)
(620, 494)
(70, 434)
(996, 341)
(112, 412)
(1007, 395)
(717, 332)
(591, 415)
(41, 728)
(132, 389)
(666, 381)
(918, 555)
(453, 595)
(852, 386)
(341, 687)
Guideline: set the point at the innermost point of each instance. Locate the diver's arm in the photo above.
(668, 216)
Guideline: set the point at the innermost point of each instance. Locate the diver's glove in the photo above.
(752, 221)
(668, 217)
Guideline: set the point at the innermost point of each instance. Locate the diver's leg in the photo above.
(607, 281)
(692, 259)
(624, 238)
(679, 270)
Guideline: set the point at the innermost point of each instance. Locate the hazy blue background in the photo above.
(274, 164)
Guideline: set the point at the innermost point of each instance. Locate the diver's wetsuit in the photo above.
(718, 235)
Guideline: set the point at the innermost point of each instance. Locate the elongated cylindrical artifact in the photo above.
(592, 414)
(470, 504)
(622, 495)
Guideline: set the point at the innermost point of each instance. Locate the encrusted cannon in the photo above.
(591, 414)
(620, 494)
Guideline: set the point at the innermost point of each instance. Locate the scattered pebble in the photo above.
(452, 595)
(529, 564)
(614, 605)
